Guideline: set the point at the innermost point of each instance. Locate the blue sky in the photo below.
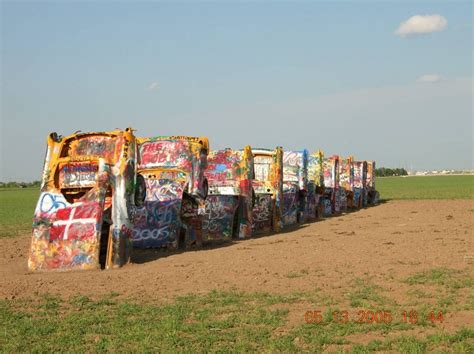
(330, 75)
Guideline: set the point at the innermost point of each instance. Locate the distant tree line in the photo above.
(385, 172)
(20, 184)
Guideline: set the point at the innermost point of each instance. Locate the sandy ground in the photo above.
(382, 245)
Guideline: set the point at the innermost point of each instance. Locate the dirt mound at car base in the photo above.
(385, 244)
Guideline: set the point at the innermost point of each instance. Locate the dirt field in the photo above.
(385, 244)
(400, 255)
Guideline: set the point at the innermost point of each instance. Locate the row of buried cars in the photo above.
(105, 193)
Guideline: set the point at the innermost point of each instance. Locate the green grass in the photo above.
(458, 342)
(17, 207)
(218, 321)
(364, 294)
(426, 187)
(436, 276)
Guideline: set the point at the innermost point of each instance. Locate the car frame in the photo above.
(316, 181)
(360, 180)
(346, 183)
(332, 192)
(228, 213)
(373, 195)
(299, 199)
(176, 188)
(268, 187)
(88, 192)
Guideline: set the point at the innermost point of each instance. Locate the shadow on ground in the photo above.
(141, 256)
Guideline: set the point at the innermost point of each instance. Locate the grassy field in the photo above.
(217, 322)
(16, 210)
(426, 187)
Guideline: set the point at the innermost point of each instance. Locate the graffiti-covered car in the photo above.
(346, 183)
(229, 203)
(268, 188)
(332, 192)
(176, 188)
(372, 194)
(296, 204)
(360, 177)
(315, 183)
(82, 218)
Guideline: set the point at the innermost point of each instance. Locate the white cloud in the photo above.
(420, 24)
(430, 78)
(153, 86)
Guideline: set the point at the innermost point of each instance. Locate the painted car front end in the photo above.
(268, 187)
(229, 203)
(295, 187)
(87, 191)
(316, 181)
(332, 194)
(173, 170)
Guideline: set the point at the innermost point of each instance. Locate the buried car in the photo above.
(88, 187)
(332, 195)
(372, 194)
(346, 183)
(299, 202)
(315, 184)
(176, 188)
(360, 176)
(268, 188)
(229, 203)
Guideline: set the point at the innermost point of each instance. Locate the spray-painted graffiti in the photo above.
(346, 174)
(372, 194)
(262, 214)
(76, 211)
(316, 186)
(268, 187)
(173, 168)
(329, 170)
(360, 173)
(104, 146)
(311, 203)
(292, 166)
(360, 176)
(229, 207)
(295, 187)
(66, 235)
(50, 202)
(346, 183)
(290, 204)
(262, 165)
(315, 169)
(161, 225)
(218, 221)
(166, 154)
(327, 206)
(331, 183)
(77, 174)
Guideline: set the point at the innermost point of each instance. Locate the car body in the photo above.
(88, 191)
(173, 170)
(298, 201)
(228, 212)
(360, 177)
(268, 188)
(332, 193)
(346, 183)
(372, 194)
(316, 182)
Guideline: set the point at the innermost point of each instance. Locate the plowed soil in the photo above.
(384, 245)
